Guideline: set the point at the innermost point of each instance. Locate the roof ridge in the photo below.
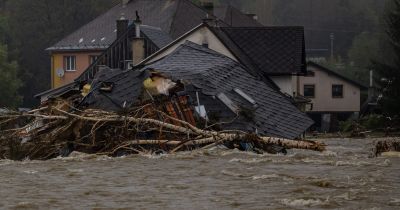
(338, 74)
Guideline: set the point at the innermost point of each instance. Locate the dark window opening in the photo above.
(337, 91)
(309, 91)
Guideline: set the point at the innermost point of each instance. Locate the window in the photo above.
(309, 91)
(92, 58)
(70, 63)
(337, 91)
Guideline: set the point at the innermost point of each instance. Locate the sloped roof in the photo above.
(329, 71)
(234, 17)
(127, 86)
(174, 17)
(270, 50)
(156, 35)
(214, 73)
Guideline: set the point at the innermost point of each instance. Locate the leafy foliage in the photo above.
(390, 68)
(33, 26)
(9, 83)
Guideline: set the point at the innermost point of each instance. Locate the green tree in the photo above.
(390, 68)
(9, 82)
(37, 25)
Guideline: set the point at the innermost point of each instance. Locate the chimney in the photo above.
(122, 26)
(124, 3)
(138, 52)
(208, 5)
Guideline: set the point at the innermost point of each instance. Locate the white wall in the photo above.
(285, 83)
(323, 101)
(200, 36)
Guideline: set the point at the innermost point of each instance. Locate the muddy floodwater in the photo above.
(344, 177)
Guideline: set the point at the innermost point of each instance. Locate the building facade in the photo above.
(334, 97)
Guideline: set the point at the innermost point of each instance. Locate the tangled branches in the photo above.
(52, 131)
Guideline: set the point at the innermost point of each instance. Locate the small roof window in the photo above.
(245, 96)
(228, 102)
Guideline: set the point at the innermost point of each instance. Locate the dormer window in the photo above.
(70, 63)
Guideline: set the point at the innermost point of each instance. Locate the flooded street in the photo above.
(343, 177)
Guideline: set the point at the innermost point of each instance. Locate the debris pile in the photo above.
(58, 129)
(387, 146)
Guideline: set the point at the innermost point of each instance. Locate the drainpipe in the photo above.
(138, 52)
(371, 89)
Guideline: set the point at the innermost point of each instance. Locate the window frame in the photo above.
(342, 95)
(304, 88)
(69, 61)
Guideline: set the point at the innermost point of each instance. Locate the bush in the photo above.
(374, 121)
(347, 126)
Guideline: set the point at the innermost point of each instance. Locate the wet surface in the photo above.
(343, 177)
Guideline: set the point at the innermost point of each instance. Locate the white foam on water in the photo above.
(251, 160)
(385, 163)
(303, 202)
(352, 163)
(329, 154)
(30, 172)
(265, 176)
(76, 170)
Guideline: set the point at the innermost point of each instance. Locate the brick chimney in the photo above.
(138, 51)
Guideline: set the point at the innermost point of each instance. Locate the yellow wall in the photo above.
(57, 61)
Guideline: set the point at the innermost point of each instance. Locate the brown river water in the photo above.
(343, 177)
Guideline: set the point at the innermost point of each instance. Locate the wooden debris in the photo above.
(53, 131)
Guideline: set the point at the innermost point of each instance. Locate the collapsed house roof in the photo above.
(269, 50)
(173, 17)
(224, 85)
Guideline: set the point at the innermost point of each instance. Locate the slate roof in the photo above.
(156, 35)
(127, 86)
(214, 73)
(270, 50)
(173, 17)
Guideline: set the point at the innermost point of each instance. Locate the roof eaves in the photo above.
(171, 44)
(56, 90)
(78, 48)
(310, 63)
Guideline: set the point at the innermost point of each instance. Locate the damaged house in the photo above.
(235, 78)
(220, 89)
(97, 42)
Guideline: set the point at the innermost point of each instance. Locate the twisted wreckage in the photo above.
(192, 98)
